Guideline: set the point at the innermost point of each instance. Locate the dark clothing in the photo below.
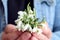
(14, 6)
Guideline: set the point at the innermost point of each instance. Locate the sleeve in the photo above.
(56, 27)
(56, 36)
(52, 17)
(0, 36)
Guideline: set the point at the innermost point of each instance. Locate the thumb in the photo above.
(25, 36)
(46, 30)
(10, 28)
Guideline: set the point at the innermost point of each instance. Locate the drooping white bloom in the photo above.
(21, 13)
(19, 24)
(26, 27)
(31, 16)
(26, 20)
(34, 29)
(16, 21)
(24, 12)
(30, 29)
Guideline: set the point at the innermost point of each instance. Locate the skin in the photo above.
(11, 33)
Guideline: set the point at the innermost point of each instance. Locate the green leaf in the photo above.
(28, 7)
(43, 20)
(34, 11)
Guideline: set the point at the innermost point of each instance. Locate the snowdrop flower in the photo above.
(31, 16)
(19, 24)
(20, 17)
(24, 12)
(16, 21)
(21, 13)
(34, 29)
(25, 20)
(26, 27)
(30, 29)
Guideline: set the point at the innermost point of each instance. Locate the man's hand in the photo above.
(45, 35)
(46, 31)
(11, 33)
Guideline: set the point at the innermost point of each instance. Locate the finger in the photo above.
(46, 31)
(10, 28)
(9, 36)
(45, 28)
(12, 36)
(33, 38)
(25, 36)
(4, 36)
(40, 36)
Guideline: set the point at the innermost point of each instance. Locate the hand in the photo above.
(11, 33)
(45, 35)
(39, 37)
(46, 31)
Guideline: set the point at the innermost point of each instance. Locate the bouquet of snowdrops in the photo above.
(27, 21)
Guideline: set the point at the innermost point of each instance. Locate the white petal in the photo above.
(24, 12)
(31, 16)
(20, 17)
(21, 13)
(19, 24)
(34, 29)
(18, 28)
(26, 27)
(16, 21)
(30, 29)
